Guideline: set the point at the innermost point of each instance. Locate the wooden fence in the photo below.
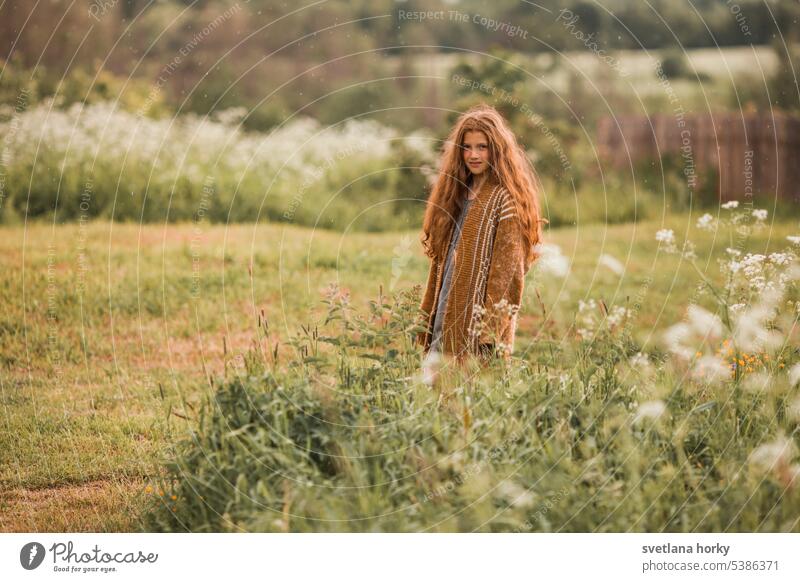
(745, 153)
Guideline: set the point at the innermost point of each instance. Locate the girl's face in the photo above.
(475, 149)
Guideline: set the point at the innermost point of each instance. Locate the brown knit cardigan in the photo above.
(488, 267)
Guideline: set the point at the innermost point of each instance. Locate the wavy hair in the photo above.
(507, 162)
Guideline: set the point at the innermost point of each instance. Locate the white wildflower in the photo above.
(736, 308)
(751, 328)
(654, 410)
(516, 495)
(617, 315)
(642, 363)
(430, 367)
(780, 259)
(666, 240)
(551, 261)
(675, 338)
(760, 214)
(705, 323)
(710, 369)
(775, 454)
(665, 235)
(730, 205)
(794, 375)
(795, 240)
(705, 222)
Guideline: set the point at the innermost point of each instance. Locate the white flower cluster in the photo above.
(685, 338)
(752, 300)
(759, 215)
(153, 154)
(753, 325)
(505, 308)
(652, 410)
(430, 368)
(665, 236)
(777, 458)
(640, 360)
(666, 240)
(590, 320)
(551, 261)
(755, 273)
(482, 326)
(642, 365)
(706, 222)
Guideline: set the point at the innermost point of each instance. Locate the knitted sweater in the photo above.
(489, 267)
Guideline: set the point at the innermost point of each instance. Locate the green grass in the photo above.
(100, 365)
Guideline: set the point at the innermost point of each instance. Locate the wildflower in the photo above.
(730, 205)
(710, 369)
(551, 261)
(611, 263)
(665, 236)
(517, 495)
(736, 308)
(705, 323)
(795, 240)
(760, 214)
(705, 222)
(675, 337)
(780, 259)
(642, 363)
(654, 410)
(617, 315)
(794, 375)
(774, 455)
(430, 367)
(751, 331)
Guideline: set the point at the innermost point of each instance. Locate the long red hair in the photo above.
(507, 162)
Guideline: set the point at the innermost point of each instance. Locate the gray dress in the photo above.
(448, 272)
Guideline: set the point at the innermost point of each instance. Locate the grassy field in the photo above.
(110, 333)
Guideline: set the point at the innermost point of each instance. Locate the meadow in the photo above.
(262, 377)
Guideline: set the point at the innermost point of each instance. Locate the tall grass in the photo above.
(354, 435)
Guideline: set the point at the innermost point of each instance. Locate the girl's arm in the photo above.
(506, 276)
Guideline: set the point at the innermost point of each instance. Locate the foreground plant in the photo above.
(353, 437)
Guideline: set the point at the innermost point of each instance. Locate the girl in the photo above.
(481, 223)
